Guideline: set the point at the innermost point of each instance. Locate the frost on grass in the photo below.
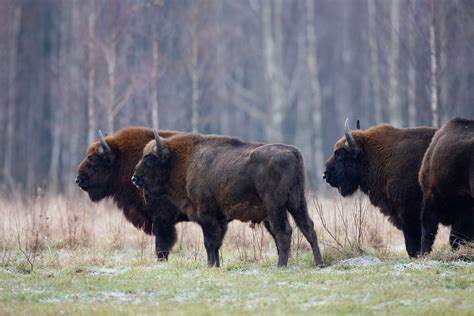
(363, 261)
(416, 265)
(107, 271)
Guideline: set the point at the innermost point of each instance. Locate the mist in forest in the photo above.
(284, 71)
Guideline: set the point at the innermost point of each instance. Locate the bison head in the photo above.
(344, 169)
(95, 171)
(152, 171)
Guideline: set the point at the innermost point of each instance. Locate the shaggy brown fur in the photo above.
(106, 173)
(447, 180)
(384, 163)
(216, 179)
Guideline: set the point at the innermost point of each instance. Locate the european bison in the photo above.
(216, 179)
(447, 180)
(106, 171)
(383, 162)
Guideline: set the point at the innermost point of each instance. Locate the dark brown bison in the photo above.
(106, 172)
(383, 162)
(447, 180)
(216, 179)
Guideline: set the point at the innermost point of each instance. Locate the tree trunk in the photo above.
(61, 95)
(434, 68)
(91, 74)
(111, 59)
(374, 62)
(12, 94)
(393, 97)
(311, 58)
(154, 78)
(111, 93)
(195, 85)
(272, 72)
(222, 91)
(411, 77)
(443, 89)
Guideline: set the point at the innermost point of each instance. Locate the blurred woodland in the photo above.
(262, 70)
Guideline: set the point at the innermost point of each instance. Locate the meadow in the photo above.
(63, 255)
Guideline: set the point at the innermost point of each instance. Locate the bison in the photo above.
(216, 179)
(447, 181)
(383, 162)
(106, 171)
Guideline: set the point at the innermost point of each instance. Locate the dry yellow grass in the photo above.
(345, 228)
(60, 255)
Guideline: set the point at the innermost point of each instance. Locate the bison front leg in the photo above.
(412, 235)
(429, 226)
(165, 238)
(213, 232)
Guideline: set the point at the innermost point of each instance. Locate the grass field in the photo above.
(58, 257)
(120, 281)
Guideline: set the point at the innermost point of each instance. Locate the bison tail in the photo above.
(297, 193)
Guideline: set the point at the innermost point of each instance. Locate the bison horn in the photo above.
(103, 142)
(157, 139)
(347, 131)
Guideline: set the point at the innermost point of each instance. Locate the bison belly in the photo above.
(246, 211)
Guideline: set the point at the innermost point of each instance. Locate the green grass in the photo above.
(120, 282)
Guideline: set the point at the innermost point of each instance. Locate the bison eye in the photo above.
(150, 161)
(94, 160)
(341, 153)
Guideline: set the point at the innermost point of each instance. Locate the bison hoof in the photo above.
(162, 255)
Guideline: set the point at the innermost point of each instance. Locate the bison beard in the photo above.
(447, 180)
(383, 162)
(106, 172)
(216, 179)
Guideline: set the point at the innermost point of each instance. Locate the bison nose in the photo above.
(325, 174)
(137, 181)
(81, 181)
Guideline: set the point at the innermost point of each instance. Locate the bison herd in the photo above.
(418, 177)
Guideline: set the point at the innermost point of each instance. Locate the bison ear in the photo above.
(110, 158)
(356, 152)
(164, 155)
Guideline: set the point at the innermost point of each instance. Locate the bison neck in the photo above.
(132, 203)
(373, 180)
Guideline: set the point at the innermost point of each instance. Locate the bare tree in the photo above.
(154, 78)
(374, 62)
(315, 86)
(393, 97)
(12, 92)
(91, 72)
(443, 62)
(195, 84)
(411, 86)
(434, 67)
(273, 73)
(120, 86)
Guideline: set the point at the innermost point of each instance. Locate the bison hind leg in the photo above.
(462, 231)
(306, 225)
(280, 228)
(429, 224)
